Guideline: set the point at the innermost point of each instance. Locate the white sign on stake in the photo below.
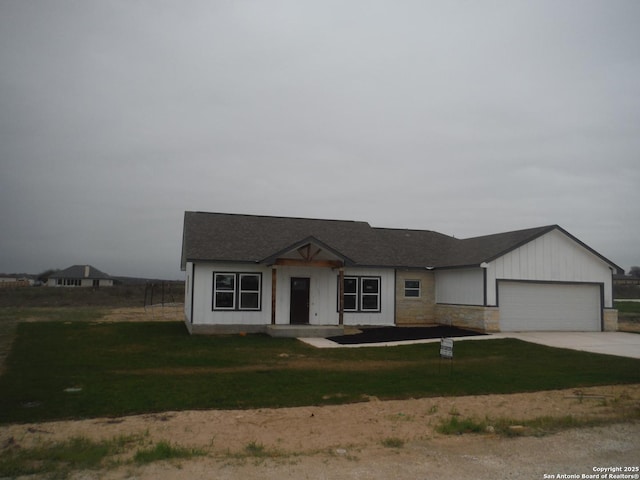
(446, 348)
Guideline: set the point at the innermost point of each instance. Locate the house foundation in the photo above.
(610, 320)
(485, 319)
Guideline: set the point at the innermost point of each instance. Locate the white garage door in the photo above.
(549, 306)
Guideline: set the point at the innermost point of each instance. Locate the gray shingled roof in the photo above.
(78, 271)
(253, 238)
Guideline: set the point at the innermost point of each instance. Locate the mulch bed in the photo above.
(398, 334)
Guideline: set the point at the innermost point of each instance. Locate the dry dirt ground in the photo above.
(334, 442)
(370, 440)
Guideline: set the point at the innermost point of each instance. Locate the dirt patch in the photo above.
(340, 441)
(299, 364)
(152, 313)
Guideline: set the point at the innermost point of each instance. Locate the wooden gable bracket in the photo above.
(305, 252)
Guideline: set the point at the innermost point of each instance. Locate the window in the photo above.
(370, 294)
(412, 288)
(361, 294)
(249, 291)
(350, 294)
(237, 291)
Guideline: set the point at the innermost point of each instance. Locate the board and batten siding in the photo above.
(322, 290)
(386, 315)
(553, 257)
(202, 285)
(460, 286)
(323, 295)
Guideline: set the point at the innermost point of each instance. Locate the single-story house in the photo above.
(248, 273)
(80, 276)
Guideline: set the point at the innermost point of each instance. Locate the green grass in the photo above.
(165, 451)
(392, 442)
(457, 426)
(254, 449)
(58, 459)
(539, 426)
(119, 369)
(628, 307)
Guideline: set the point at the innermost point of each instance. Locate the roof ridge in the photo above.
(283, 217)
(531, 229)
(399, 229)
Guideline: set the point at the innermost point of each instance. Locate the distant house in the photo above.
(258, 273)
(9, 282)
(80, 276)
(625, 280)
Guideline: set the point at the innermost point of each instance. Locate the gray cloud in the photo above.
(463, 117)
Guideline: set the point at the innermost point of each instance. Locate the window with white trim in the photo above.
(237, 291)
(350, 294)
(249, 291)
(361, 294)
(412, 288)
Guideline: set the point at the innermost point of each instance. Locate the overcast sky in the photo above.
(464, 117)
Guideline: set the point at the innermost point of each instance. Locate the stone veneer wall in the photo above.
(415, 310)
(610, 319)
(486, 319)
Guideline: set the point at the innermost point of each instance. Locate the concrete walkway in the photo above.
(609, 343)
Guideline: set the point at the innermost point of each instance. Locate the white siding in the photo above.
(460, 286)
(323, 296)
(386, 316)
(187, 291)
(551, 257)
(322, 291)
(202, 283)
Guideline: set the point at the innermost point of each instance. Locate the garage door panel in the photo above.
(528, 306)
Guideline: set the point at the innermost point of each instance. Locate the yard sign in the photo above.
(446, 348)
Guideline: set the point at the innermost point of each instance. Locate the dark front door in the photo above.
(299, 300)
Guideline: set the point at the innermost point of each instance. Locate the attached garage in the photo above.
(549, 306)
(540, 278)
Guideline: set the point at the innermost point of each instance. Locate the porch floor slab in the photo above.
(306, 331)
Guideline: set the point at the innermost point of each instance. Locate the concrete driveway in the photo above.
(609, 343)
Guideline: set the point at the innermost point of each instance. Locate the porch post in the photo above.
(274, 276)
(341, 296)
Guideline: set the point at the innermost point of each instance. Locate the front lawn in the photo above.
(628, 307)
(69, 369)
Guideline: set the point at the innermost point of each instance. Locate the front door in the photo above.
(299, 300)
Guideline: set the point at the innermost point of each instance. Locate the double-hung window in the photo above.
(351, 285)
(412, 288)
(249, 291)
(237, 291)
(361, 294)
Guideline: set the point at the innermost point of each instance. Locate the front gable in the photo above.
(308, 252)
(554, 256)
